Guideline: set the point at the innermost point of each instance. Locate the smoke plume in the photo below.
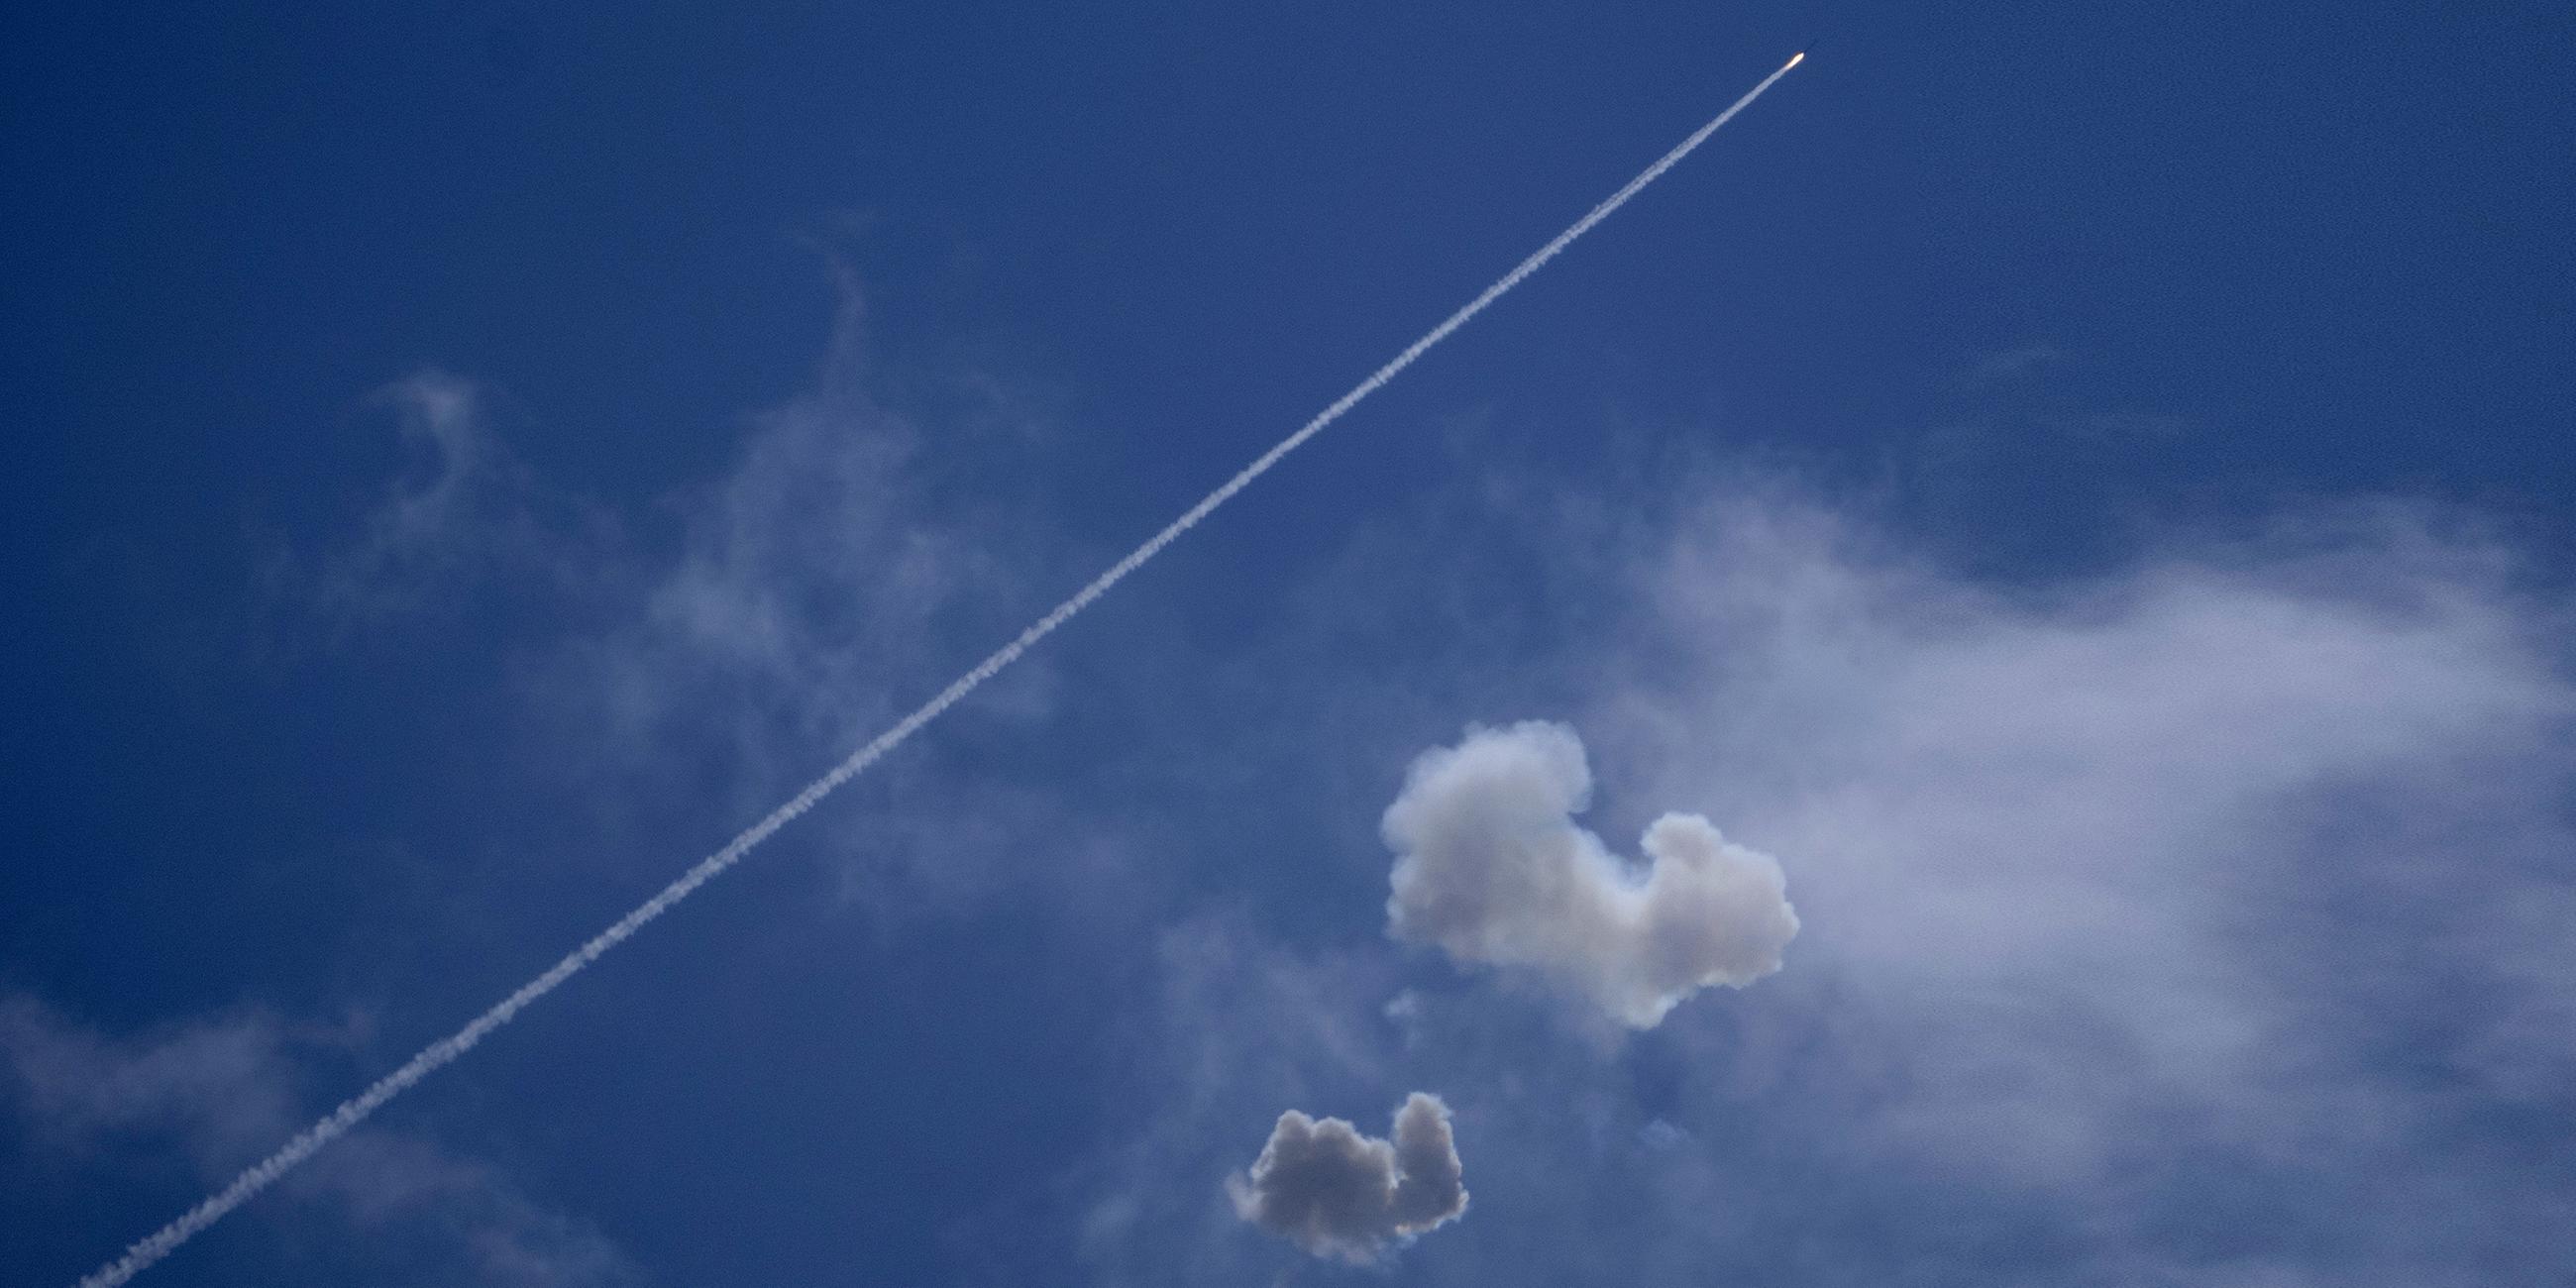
(1491, 867)
(1337, 1193)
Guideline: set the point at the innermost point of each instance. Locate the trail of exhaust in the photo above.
(162, 1242)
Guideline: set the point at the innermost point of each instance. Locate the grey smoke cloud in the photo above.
(1335, 1192)
(1491, 867)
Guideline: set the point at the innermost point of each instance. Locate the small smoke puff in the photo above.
(1491, 867)
(1334, 1192)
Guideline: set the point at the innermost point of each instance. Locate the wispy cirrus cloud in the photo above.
(2125, 888)
(219, 1091)
(721, 645)
(465, 517)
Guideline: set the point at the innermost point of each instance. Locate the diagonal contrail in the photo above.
(163, 1241)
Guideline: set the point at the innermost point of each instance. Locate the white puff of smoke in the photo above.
(1491, 867)
(1337, 1193)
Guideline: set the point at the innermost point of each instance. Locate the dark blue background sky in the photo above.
(2035, 281)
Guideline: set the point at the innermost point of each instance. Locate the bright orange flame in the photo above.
(1795, 59)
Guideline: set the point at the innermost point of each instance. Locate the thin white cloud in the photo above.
(466, 516)
(807, 581)
(2123, 874)
(2012, 364)
(218, 1092)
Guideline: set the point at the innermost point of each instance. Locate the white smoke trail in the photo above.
(162, 1242)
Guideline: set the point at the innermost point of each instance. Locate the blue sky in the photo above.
(2083, 488)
